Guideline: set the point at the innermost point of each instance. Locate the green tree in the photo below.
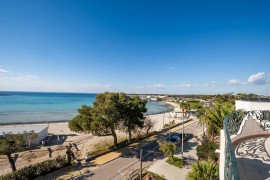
(213, 117)
(204, 170)
(82, 122)
(132, 113)
(110, 112)
(149, 124)
(186, 107)
(167, 148)
(103, 119)
(10, 143)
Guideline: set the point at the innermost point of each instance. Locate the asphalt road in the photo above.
(121, 167)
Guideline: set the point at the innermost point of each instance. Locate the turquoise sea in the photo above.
(29, 107)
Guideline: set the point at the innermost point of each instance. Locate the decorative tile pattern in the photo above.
(254, 149)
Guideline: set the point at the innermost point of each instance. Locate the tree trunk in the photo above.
(148, 129)
(129, 134)
(172, 158)
(11, 162)
(114, 137)
(68, 156)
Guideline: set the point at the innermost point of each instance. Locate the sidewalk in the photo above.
(73, 171)
(170, 172)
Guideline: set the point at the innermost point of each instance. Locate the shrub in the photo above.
(204, 170)
(167, 148)
(207, 150)
(177, 162)
(36, 170)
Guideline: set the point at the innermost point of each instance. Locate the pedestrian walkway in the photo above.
(106, 158)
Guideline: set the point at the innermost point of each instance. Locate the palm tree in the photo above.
(204, 170)
(214, 117)
(186, 107)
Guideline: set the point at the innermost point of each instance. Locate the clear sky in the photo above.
(135, 46)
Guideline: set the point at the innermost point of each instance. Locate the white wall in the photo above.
(244, 105)
(251, 106)
(41, 135)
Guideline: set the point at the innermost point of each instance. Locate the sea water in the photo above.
(30, 107)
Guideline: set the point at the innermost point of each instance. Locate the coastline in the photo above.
(85, 142)
(157, 117)
(168, 104)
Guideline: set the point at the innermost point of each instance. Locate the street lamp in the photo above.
(182, 137)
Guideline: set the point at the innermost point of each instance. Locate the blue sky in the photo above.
(175, 47)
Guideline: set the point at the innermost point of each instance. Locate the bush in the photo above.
(36, 170)
(177, 162)
(167, 148)
(204, 170)
(207, 150)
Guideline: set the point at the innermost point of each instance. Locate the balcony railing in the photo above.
(232, 125)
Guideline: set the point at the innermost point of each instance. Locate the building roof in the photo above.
(21, 129)
(256, 99)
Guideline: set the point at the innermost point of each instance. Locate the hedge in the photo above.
(33, 171)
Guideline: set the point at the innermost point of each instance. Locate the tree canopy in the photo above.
(213, 116)
(110, 112)
(207, 151)
(10, 143)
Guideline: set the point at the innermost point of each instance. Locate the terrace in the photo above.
(245, 141)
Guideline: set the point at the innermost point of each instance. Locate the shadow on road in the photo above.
(151, 149)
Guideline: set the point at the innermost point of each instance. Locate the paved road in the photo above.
(122, 166)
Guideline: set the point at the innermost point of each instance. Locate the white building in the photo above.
(41, 130)
(253, 104)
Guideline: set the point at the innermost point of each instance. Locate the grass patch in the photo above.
(177, 162)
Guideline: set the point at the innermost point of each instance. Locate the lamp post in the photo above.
(182, 138)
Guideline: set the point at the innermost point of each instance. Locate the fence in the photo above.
(232, 124)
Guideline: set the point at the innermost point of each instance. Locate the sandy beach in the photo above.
(85, 142)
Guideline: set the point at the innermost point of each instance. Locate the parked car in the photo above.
(175, 138)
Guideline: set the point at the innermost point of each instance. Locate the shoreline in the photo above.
(168, 104)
